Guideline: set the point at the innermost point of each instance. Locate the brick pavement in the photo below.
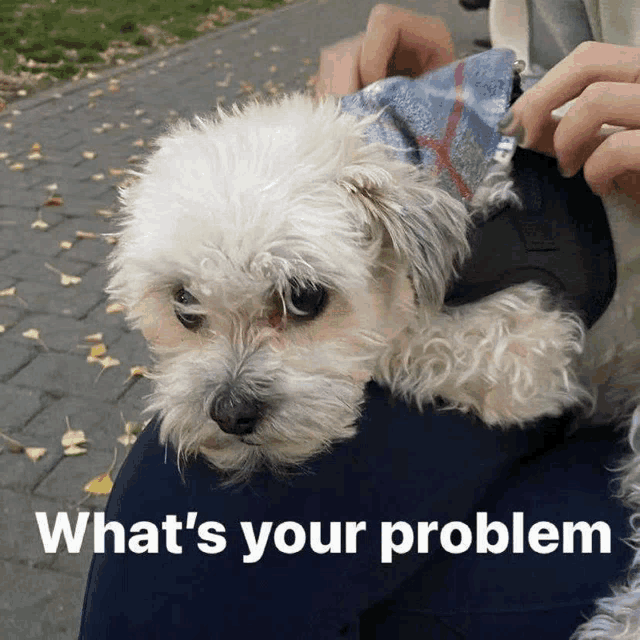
(45, 381)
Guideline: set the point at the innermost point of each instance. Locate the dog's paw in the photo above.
(530, 358)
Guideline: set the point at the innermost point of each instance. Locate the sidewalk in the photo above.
(86, 135)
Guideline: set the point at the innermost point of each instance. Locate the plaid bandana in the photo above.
(446, 120)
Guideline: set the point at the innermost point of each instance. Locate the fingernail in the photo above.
(566, 173)
(507, 119)
(519, 134)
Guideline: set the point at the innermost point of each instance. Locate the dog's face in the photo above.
(270, 258)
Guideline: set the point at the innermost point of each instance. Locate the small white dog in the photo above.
(276, 262)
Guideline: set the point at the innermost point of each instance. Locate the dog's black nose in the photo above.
(237, 416)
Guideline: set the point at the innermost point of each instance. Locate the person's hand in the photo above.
(396, 42)
(604, 80)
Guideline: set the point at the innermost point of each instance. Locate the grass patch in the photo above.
(48, 41)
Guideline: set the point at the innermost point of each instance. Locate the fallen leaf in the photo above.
(66, 280)
(2, 328)
(54, 201)
(115, 307)
(105, 213)
(127, 439)
(8, 125)
(11, 291)
(74, 450)
(97, 130)
(138, 371)
(65, 244)
(116, 172)
(4, 155)
(34, 453)
(52, 187)
(124, 125)
(16, 166)
(94, 337)
(109, 361)
(96, 177)
(273, 68)
(13, 445)
(34, 155)
(111, 239)
(98, 350)
(73, 437)
(138, 143)
(86, 234)
(89, 155)
(107, 126)
(40, 224)
(32, 334)
(36, 147)
(101, 485)
(96, 93)
(226, 82)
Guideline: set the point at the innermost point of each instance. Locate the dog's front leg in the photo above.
(509, 358)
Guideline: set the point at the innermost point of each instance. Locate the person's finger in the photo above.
(602, 103)
(590, 62)
(338, 71)
(615, 164)
(400, 42)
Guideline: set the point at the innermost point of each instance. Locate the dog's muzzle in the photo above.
(236, 415)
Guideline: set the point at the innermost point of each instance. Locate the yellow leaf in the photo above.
(138, 371)
(73, 438)
(92, 359)
(94, 337)
(35, 155)
(36, 147)
(100, 486)
(40, 224)
(98, 350)
(74, 450)
(115, 307)
(35, 453)
(109, 361)
(67, 280)
(16, 166)
(32, 334)
(11, 291)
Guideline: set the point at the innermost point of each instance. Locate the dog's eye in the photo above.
(306, 300)
(191, 321)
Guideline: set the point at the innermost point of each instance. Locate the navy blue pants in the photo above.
(403, 470)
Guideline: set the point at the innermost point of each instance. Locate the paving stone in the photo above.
(13, 357)
(70, 375)
(68, 479)
(101, 422)
(17, 405)
(19, 534)
(75, 301)
(39, 604)
(60, 333)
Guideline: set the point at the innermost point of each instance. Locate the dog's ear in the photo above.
(427, 227)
